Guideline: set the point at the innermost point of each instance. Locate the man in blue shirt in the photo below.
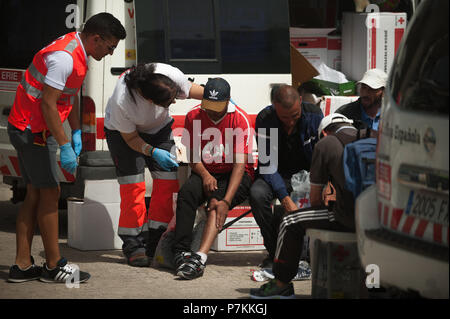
(365, 112)
(287, 133)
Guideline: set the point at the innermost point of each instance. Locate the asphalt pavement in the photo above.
(227, 275)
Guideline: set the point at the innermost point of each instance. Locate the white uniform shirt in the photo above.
(125, 115)
(59, 67)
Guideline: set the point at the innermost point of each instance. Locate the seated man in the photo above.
(326, 166)
(289, 130)
(365, 112)
(220, 133)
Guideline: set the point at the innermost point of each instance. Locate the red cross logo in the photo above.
(340, 253)
(401, 20)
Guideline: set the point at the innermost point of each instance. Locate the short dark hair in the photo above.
(286, 96)
(105, 25)
(154, 86)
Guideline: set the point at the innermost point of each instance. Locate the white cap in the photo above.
(332, 119)
(374, 78)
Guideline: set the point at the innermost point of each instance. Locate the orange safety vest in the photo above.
(26, 109)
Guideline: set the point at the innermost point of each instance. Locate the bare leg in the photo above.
(25, 226)
(209, 233)
(48, 224)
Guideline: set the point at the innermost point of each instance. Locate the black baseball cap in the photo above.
(216, 95)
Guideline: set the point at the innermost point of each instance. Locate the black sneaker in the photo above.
(31, 273)
(192, 268)
(64, 273)
(270, 290)
(181, 257)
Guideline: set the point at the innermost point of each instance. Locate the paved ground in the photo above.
(227, 275)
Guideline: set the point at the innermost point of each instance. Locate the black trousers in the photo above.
(261, 197)
(191, 196)
(291, 235)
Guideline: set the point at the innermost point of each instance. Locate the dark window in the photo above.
(28, 26)
(419, 77)
(214, 36)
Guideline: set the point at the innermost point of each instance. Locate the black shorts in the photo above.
(37, 162)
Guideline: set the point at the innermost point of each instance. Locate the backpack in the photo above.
(358, 161)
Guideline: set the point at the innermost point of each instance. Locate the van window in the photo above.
(28, 26)
(212, 36)
(420, 74)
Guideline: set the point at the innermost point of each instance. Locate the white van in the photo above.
(402, 221)
(246, 42)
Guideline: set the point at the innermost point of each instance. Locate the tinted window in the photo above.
(419, 78)
(28, 26)
(215, 36)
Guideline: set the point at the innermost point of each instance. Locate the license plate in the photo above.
(428, 206)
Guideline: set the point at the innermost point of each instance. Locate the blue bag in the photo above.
(359, 164)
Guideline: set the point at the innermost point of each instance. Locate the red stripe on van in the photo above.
(437, 233)
(408, 224)
(421, 228)
(100, 126)
(4, 170)
(396, 216)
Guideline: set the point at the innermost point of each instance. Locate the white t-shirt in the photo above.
(125, 115)
(60, 67)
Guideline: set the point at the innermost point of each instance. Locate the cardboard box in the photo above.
(102, 191)
(334, 49)
(243, 235)
(93, 225)
(302, 71)
(330, 104)
(318, 45)
(338, 89)
(370, 40)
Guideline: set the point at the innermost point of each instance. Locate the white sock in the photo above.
(203, 256)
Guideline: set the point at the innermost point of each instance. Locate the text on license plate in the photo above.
(428, 206)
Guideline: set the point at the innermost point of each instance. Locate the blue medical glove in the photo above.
(164, 159)
(76, 141)
(68, 158)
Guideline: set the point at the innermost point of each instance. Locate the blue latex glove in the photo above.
(68, 158)
(76, 141)
(164, 159)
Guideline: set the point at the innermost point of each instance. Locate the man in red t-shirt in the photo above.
(218, 139)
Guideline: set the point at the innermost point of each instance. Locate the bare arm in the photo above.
(50, 113)
(74, 116)
(196, 92)
(237, 173)
(134, 141)
(209, 182)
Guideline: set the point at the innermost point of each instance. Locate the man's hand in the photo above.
(68, 158)
(209, 184)
(221, 209)
(288, 204)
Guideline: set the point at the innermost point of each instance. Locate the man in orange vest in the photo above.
(46, 97)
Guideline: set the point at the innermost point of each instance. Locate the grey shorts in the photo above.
(37, 163)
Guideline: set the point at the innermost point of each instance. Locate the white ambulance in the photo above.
(246, 42)
(402, 221)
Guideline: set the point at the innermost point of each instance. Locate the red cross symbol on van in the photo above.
(401, 20)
